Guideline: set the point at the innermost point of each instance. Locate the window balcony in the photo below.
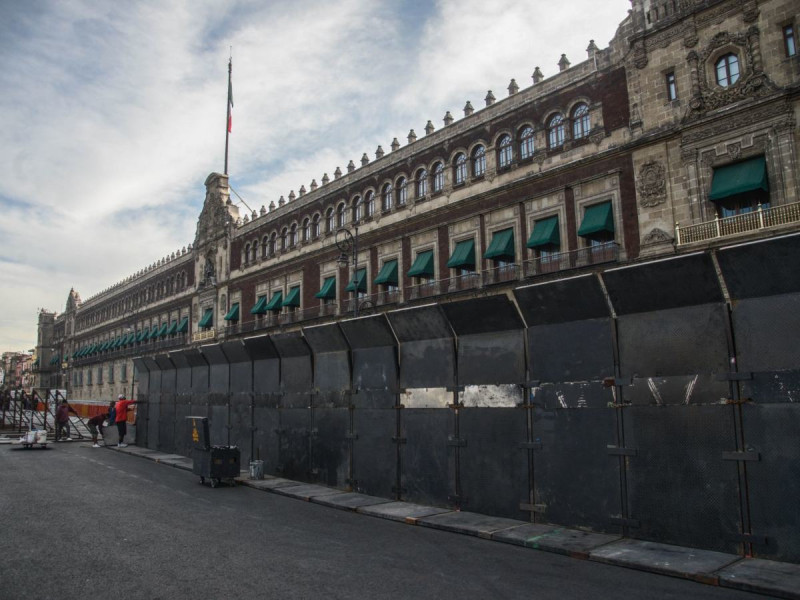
(201, 336)
(761, 218)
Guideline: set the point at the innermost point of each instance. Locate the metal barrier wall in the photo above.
(655, 400)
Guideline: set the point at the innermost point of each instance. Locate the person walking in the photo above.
(121, 409)
(62, 420)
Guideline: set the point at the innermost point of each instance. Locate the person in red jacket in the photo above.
(95, 423)
(121, 409)
(62, 420)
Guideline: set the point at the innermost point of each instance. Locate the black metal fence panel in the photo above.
(576, 480)
(681, 490)
(680, 341)
(491, 358)
(483, 315)
(330, 446)
(766, 331)
(770, 436)
(266, 365)
(241, 367)
(184, 408)
(296, 371)
(575, 299)
(219, 370)
(241, 423)
(266, 437)
(331, 357)
(375, 451)
(294, 444)
(166, 424)
(577, 394)
(183, 375)
(218, 426)
(374, 399)
(493, 465)
(200, 373)
(764, 268)
(677, 390)
(427, 348)
(374, 353)
(426, 472)
(664, 284)
(572, 350)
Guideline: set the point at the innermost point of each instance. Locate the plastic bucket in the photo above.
(256, 469)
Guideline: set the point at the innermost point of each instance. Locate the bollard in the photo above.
(256, 469)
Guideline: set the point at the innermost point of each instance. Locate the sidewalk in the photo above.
(774, 578)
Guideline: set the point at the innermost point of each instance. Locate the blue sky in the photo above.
(114, 112)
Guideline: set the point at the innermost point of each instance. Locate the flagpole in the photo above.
(228, 119)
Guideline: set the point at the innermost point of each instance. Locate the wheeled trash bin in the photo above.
(215, 463)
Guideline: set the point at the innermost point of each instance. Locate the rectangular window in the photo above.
(123, 372)
(110, 373)
(672, 90)
(789, 45)
(88, 377)
(99, 375)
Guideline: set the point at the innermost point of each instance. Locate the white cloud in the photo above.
(114, 113)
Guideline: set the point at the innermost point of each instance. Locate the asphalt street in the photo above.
(79, 522)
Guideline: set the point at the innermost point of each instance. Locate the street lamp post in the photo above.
(347, 242)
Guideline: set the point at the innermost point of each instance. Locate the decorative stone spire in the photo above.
(379, 152)
(468, 110)
(302, 190)
(395, 145)
(271, 205)
(314, 184)
(489, 98)
(448, 119)
(281, 201)
(592, 49)
(412, 137)
(263, 210)
(337, 173)
(429, 128)
(351, 166)
(537, 76)
(513, 88)
(563, 63)
(245, 221)
(292, 195)
(326, 179)
(255, 215)
(364, 160)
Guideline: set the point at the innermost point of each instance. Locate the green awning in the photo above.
(388, 274)
(293, 297)
(104, 346)
(360, 282)
(92, 349)
(172, 328)
(545, 233)
(597, 218)
(260, 307)
(275, 303)
(463, 255)
(117, 342)
(75, 354)
(328, 289)
(183, 327)
(142, 335)
(162, 331)
(502, 245)
(207, 319)
(153, 332)
(131, 338)
(744, 176)
(423, 265)
(233, 313)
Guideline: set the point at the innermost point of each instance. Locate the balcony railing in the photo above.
(207, 334)
(761, 218)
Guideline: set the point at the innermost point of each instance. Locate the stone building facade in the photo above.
(680, 135)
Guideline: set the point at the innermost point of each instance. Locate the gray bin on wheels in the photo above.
(215, 463)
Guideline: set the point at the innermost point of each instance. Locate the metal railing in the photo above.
(761, 218)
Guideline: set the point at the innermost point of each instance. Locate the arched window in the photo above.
(369, 204)
(330, 221)
(341, 216)
(285, 238)
(459, 170)
(504, 152)
(387, 196)
(315, 227)
(246, 255)
(306, 229)
(293, 236)
(438, 177)
(526, 143)
(358, 209)
(555, 131)
(727, 67)
(478, 161)
(580, 121)
(264, 246)
(254, 251)
(422, 183)
(402, 191)
(273, 243)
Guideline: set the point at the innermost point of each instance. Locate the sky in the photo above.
(114, 113)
